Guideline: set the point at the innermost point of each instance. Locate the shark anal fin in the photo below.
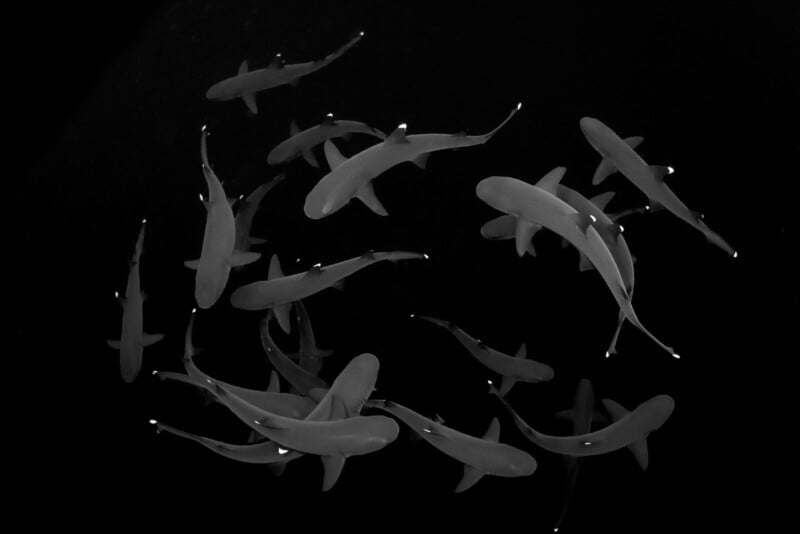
(522, 352)
(114, 343)
(333, 468)
(243, 68)
(470, 478)
(294, 129)
(192, 264)
(275, 270)
(366, 194)
(604, 169)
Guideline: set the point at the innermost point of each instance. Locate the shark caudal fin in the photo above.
(631, 316)
(612, 347)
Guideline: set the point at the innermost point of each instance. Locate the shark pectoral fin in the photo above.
(339, 285)
(274, 385)
(524, 233)
(493, 432)
(549, 182)
(239, 259)
(310, 158)
(421, 161)
(584, 264)
(502, 227)
(295, 82)
(333, 468)
(659, 172)
(470, 478)
(634, 141)
(149, 339)
(277, 468)
(294, 129)
(638, 448)
(250, 102)
(282, 312)
(639, 451)
(366, 194)
(506, 384)
(602, 200)
(192, 264)
(332, 155)
(243, 68)
(604, 169)
(114, 343)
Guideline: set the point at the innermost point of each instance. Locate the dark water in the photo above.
(110, 135)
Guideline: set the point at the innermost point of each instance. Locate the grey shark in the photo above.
(352, 177)
(133, 339)
(248, 82)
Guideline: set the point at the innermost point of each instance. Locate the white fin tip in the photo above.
(283, 451)
(670, 170)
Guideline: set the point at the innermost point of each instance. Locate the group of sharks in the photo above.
(320, 419)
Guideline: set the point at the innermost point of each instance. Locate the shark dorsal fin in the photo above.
(275, 270)
(602, 200)
(328, 120)
(549, 181)
(332, 155)
(398, 136)
(294, 129)
(634, 141)
(277, 62)
(243, 68)
(660, 172)
(522, 352)
(493, 432)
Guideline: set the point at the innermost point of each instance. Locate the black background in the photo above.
(107, 107)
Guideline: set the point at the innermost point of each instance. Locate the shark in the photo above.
(271, 400)
(629, 428)
(480, 456)
(352, 177)
(218, 253)
(310, 357)
(504, 227)
(341, 437)
(133, 339)
(248, 82)
(582, 416)
(538, 205)
(265, 452)
(302, 142)
(287, 289)
(302, 381)
(620, 155)
(513, 369)
(248, 207)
